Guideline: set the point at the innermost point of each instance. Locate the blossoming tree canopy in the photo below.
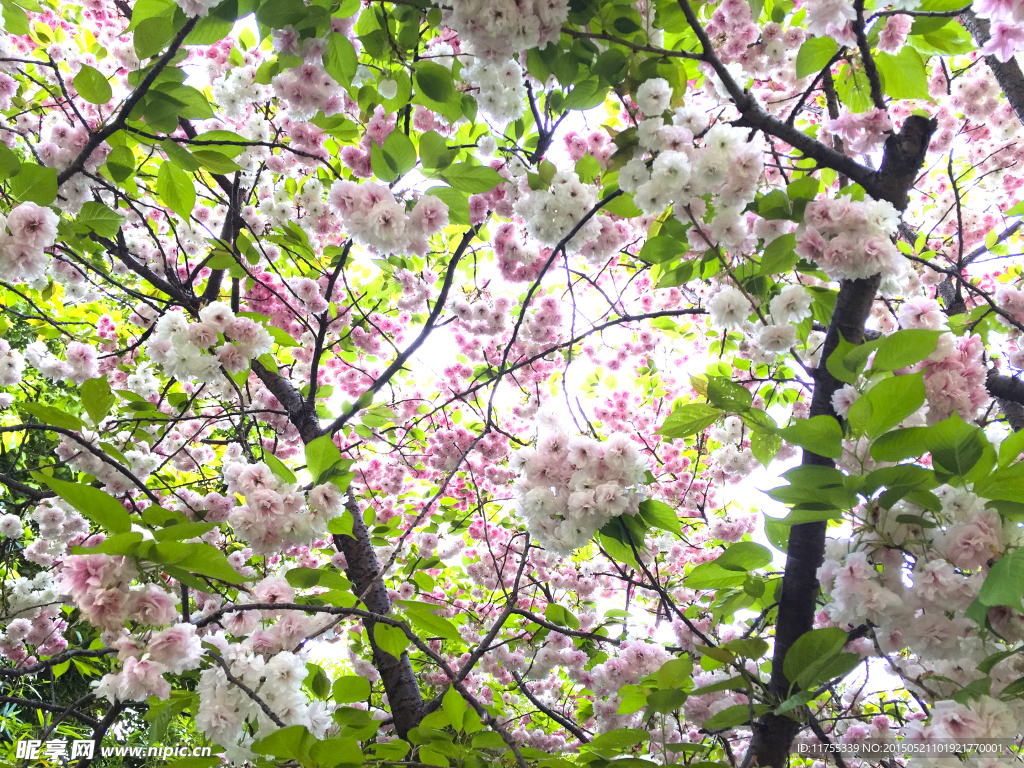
(405, 382)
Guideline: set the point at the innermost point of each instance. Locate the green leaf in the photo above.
(666, 700)
(94, 504)
(436, 626)
(282, 13)
(805, 188)
(728, 395)
(898, 481)
(904, 75)
(434, 81)
(661, 248)
(751, 647)
(689, 419)
(905, 348)
(35, 183)
(339, 751)
(278, 467)
(232, 146)
(1005, 583)
(779, 254)
(955, 446)
(1006, 484)
(907, 443)
(777, 533)
(730, 717)
(457, 202)
(182, 531)
(176, 189)
(472, 179)
(97, 398)
(350, 688)
(151, 35)
(621, 206)
(434, 151)
(215, 162)
(744, 556)
(1011, 448)
(92, 85)
(674, 673)
(974, 690)
(616, 741)
(15, 19)
(10, 165)
(454, 706)
(99, 218)
(399, 152)
(215, 26)
(206, 560)
(835, 667)
(764, 446)
(848, 360)
(887, 403)
(321, 455)
(794, 701)
(53, 416)
(774, 206)
(121, 163)
(586, 95)
(811, 652)
(340, 59)
(713, 576)
(287, 743)
(814, 55)
(819, 434)
(390, 639)
(658, 514)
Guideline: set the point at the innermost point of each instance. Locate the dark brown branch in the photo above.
(101, 730)
(396, 673)
(130, 103)
(56, 708)
(773, 734)
(870, 70)
(439, 304)
(1009, 392)
(561, 720)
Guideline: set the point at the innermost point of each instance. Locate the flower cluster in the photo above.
(25, 233)
(725, 165)
(196, 351)
(372, 216)
(551, 214)
(173, 650)
(275, 514)
(499, 29)
(34, 613)
(569, 488)
(100, 586)
(1007, 29)
(501, 91)
(224, 707)
(11, 365)
(851, 239)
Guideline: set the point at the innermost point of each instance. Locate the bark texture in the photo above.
(398, 676)
(773, 734)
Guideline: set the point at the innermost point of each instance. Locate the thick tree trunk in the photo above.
(1009, 393)
(773, 734)
(397, 675)
(399, 679)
